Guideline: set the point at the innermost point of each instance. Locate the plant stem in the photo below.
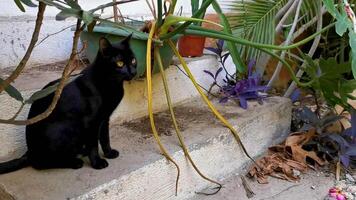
(311, 52)
(278, 69)
(182, 27)
(23, 62)
(110, 4)
(290, 11)
(179, 135)
(219, 35)
(283, 10)
(116, 16)
(159, 13)
(235, 55)
(210, 105)
(60, 87)
(149, 102)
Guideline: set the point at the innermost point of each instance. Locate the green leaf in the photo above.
(87, 17)
(312, 67)
(352, 41)
(28, 3)
(13, 92)
(73, 4)
(48, 90)
(195, 5)
(172, 19)
(19, 5)
(91, 26)
(331, 69)
(342, 24)
(235, 54)
(254, 20)
(68, 12)
(329, 4)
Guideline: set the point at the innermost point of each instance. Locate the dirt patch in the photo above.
(186, 117)
(52, 67)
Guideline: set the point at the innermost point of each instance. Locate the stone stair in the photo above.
(141, 172)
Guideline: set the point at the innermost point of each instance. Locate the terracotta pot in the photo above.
(191, 46)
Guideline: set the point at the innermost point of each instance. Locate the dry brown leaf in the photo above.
(336, 127)
(283, 159)
(293, 146)
(276, 165)
(300, 138)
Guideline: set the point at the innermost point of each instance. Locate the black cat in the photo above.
(81, 117)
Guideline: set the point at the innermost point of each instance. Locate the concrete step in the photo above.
(314, 185)
(141, 172)
(133, 105)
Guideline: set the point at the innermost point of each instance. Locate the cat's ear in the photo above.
(126, 41)
(104, 44)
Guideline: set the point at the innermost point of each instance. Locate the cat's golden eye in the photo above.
(133, 61)
(120, 63)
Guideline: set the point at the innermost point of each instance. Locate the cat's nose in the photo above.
(133, 71)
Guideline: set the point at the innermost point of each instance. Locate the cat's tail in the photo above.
(14, 165)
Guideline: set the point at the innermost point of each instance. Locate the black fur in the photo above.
(81, 119)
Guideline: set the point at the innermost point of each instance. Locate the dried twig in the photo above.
(249, 192)
(23, 62)
(151, 9)
(283, 10)
(58, 92)
(287, 41)
(52, 34)
(111, 4)
(116, 17)
(289, 12)
(18, 112)
(311, 52)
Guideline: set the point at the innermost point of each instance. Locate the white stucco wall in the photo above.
(16, 29)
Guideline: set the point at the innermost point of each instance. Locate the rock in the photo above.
(296, 173)
(341, 185)
(352, 189)
(350, 178)
(348, 195)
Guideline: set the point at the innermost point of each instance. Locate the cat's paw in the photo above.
(112, 154)
(77, 163)
(99, 164)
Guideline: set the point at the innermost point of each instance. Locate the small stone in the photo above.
(341, 185)
(350, 178)
(296, 173)
(352, 189)
(313, 187)
(348, 195)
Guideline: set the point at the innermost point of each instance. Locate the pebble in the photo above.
(341, 185)
(296, 173)
(352, 189)
(350, 178)
(348, 195)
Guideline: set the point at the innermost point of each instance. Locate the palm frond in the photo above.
(254, 20)
(310, 9)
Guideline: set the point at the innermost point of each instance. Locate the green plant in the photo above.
(195, 4)
(263, 21)
(162, 29)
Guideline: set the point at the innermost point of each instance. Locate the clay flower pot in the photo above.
(191, 45)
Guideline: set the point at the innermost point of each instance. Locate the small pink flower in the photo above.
(333, 190)
(340, 197)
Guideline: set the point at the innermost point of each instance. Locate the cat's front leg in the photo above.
(95, 160)
(104, 139)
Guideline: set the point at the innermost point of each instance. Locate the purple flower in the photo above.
(245, 89)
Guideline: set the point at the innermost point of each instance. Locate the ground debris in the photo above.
(287, 160)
